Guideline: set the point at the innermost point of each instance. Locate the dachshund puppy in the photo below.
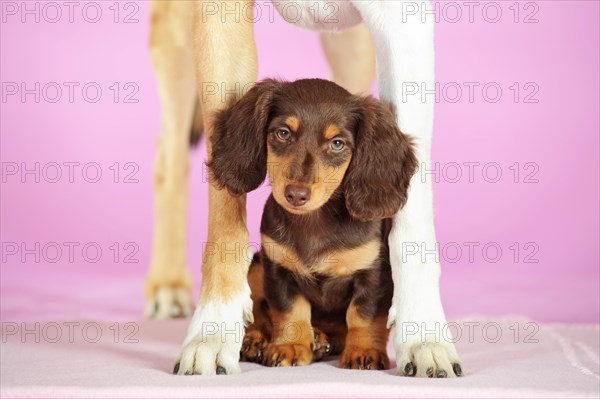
(339, 168)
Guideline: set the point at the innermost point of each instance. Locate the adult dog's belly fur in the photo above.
(319, 15)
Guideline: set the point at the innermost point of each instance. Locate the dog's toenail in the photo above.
(295, 363)
(189, 373)
(221, 370)
(457, 369)
(442, 374)
(410, 370)
(328, 348)
(430, 372)
(176, 368)
(175, 311)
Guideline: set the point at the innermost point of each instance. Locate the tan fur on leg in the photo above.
(258, 334)
(366, 342)
(169, 284)
(293, 336)
(351, 56)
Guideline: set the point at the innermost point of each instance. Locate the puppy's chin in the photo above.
(298, 211)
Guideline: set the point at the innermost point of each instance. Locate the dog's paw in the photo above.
(321, 347)
(364, 359)
(214, 338)
(169, 295)
(281, 355)
(422, 338)
(253, 346)
(170, 301)
(429, 360)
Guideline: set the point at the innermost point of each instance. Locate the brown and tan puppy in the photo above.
(339, 168)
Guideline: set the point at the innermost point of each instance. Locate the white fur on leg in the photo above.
(423, 342)
(405, 57)
(215, 335)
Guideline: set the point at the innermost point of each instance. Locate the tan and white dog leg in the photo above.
(226, 58)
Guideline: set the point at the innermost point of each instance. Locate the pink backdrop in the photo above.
(541, 213)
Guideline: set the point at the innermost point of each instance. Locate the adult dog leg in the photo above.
(405, 57)
(227, 64)
(351, 56)
(169, 284)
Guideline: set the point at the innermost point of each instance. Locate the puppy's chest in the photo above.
(331, 249)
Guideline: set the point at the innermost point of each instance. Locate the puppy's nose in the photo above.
(297, 195)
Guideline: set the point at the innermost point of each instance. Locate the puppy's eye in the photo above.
(337, 145)
(283, 134)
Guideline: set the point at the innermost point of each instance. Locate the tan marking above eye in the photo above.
(331, 132)
(293, 123)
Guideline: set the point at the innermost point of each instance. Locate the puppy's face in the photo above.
(309, 149)
(316, 140)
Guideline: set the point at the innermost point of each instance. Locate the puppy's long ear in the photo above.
(239, 152)
(377, 180)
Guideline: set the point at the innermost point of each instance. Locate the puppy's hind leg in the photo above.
(169, 283)
(258, 334)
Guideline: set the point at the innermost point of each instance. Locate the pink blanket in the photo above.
(502, 357)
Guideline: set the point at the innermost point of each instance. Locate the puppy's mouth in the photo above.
(296, 210)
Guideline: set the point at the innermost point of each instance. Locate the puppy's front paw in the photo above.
(364, 359)
(281, 355)
(429, 359)
(253, 346)
(214, 338)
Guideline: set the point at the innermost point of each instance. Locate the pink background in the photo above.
(559, 133)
